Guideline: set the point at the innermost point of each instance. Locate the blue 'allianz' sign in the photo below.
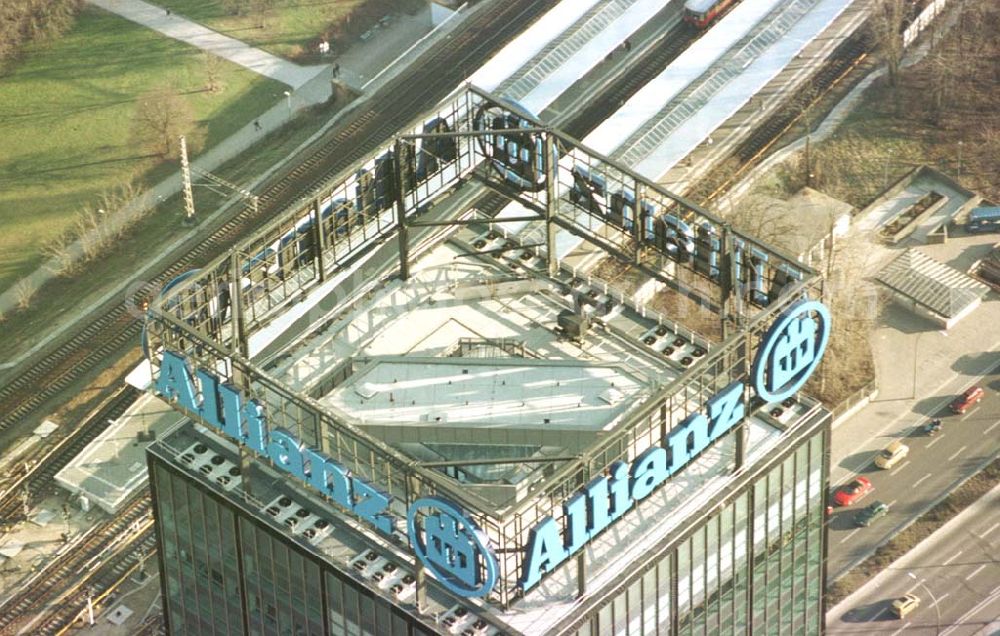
(447, 542)
(605, 499)
(790, 352)
(454, 550)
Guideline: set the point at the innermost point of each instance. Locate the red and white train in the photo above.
(701, 13)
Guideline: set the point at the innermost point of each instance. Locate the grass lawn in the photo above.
(65, 120)
(62, 298)
(291, 26)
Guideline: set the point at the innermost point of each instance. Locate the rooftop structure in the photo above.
(815, 221)
(931, 288)
(506, 440)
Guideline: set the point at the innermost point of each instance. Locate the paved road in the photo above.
(959, 566)
(933, 466)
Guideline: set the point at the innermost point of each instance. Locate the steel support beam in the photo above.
(236, 305)
(728, 281)
(318, 241)
(412, 224)
(404, 235)
(551, 166)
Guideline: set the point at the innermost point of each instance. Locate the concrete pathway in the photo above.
(180, 28)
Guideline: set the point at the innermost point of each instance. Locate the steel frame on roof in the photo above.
(209, 316)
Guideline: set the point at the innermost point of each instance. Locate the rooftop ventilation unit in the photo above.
(317, 531)
(301, 521)
(368, 563)
(405, 588)
(456, 619)
(227, 475)
(195, 456)
(281, 507)
(388, 575)
(573, 324)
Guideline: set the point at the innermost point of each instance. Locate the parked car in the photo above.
(962, 403)
(853, 491)
(871, 513)
(892, 455)
(905, 604)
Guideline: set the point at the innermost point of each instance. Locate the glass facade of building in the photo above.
(225, 573)
(702, 582)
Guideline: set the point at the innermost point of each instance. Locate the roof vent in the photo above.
(612, 396)
(366, 390)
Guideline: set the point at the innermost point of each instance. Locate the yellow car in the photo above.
(892, 455)
(905, 604)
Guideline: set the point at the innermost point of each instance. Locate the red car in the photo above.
(962, 403)
(858, 488)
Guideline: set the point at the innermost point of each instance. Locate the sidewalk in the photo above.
(180, 28)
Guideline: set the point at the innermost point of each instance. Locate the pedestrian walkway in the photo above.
(397, 39)
(180, 28)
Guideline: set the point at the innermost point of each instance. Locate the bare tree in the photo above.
(98, 227)
(24, 292)
(236, 7)
(855, 305)
(61, 254)
(260, 11)
(756, 216)
(162, 115)
(24, 21)
(101, 226)
(888, 26)
(213, 65)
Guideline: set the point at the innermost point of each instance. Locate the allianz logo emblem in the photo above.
(452, 547)
(791, 351)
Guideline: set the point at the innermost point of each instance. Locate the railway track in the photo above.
(123, 563)
(436, 73)
(74, 564)
(649, 65)
(38, 479)
(851, 56)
